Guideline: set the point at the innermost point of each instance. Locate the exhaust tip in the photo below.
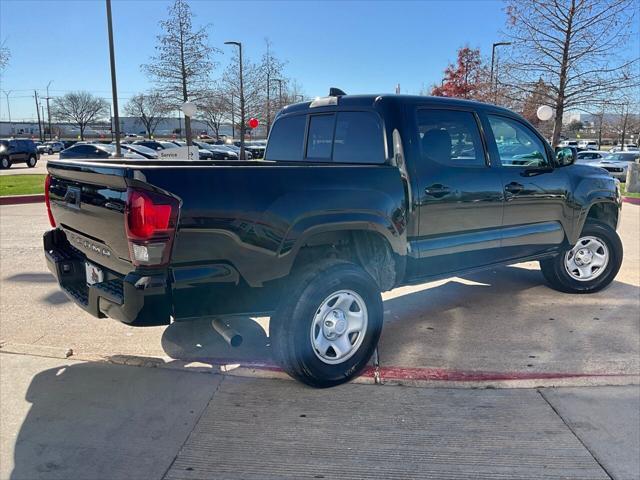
(230, 336)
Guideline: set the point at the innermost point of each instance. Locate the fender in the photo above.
(592, 190)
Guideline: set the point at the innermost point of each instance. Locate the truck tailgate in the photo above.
(88, 202)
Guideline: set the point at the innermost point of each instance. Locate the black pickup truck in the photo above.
(356, 195)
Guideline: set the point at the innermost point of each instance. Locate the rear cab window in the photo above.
(337, 137)
(450, 137)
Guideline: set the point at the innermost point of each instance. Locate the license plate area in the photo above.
(93, 274)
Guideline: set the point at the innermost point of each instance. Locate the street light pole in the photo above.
(114, 87)
(493, 54)
(9, 110)
(49, 111)
(242, 112)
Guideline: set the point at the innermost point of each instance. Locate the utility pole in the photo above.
(493, 54)
(35, 95)
(48, 111)
(9, 110)
(242, 112)
(114, 87)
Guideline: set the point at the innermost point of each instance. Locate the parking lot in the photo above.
(22, 169)
(502, 328)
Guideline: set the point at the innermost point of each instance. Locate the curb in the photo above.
(20, 199)
(391, 376)
(631, 200)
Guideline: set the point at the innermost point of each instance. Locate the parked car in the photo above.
(590, 156)
(627, 147)
(68, 143)
(234, 148)
(154, 144)
(204, 154)
(588, 145)
(94, 151)
(617, 163)
(14, 150)
(568, 143)
(257, 148)
(359, 195)
(220, 152)
(145, 152)
(51, 147)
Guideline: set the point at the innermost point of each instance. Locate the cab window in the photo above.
(286, 140)
(450, 137)
(517, 145)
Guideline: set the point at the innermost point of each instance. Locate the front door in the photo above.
(535, 210)
(459, 195)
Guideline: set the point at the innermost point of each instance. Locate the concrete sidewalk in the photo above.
(92, 420)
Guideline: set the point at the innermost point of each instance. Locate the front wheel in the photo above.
(588, 266)
(328, 323)
(31, 162)
(5, 163)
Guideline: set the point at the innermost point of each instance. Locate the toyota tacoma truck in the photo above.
(357, 194)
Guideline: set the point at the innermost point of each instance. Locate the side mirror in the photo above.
(566, 156)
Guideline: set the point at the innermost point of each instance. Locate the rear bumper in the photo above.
(136, 298)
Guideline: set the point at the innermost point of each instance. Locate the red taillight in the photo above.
(150, 222)
(47, 185)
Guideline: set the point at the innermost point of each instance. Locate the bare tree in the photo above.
(148, 108)
(271, 70)
(252, 86)
(182, 66)
(213, 110)
(575, 46)
(5, 55)
(79, 108)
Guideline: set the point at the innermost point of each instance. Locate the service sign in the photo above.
(179, 153)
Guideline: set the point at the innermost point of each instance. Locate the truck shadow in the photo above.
(100, 421)
(485, 321)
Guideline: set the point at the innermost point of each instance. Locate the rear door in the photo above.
(459, 194)
(536, 211)
(17, 153)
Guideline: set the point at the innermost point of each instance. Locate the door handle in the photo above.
(437, 190)
(514, 187)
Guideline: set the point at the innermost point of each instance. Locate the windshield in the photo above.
(620, 157)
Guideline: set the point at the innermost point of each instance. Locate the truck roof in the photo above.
(370, 100)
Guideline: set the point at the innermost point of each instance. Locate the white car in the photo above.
(51, 147)
(588, 145)
(591, 156)
(627, 147)
(617, 163)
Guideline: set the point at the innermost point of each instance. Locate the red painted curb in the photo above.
(19, 199)
(631, 200)
(424, 373)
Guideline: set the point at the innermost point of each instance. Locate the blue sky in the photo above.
(361, 47)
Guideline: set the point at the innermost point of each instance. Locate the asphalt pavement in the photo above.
(22, 169)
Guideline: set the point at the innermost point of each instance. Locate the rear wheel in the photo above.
(5, 163)
(588, 266)
(328, 323)
(31, 162)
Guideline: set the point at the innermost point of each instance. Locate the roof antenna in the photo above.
(336, 92)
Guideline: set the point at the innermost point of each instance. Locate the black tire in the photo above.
(557, 276)
(31, 161)
(50, 152)
(5, 163)
(290, 327)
